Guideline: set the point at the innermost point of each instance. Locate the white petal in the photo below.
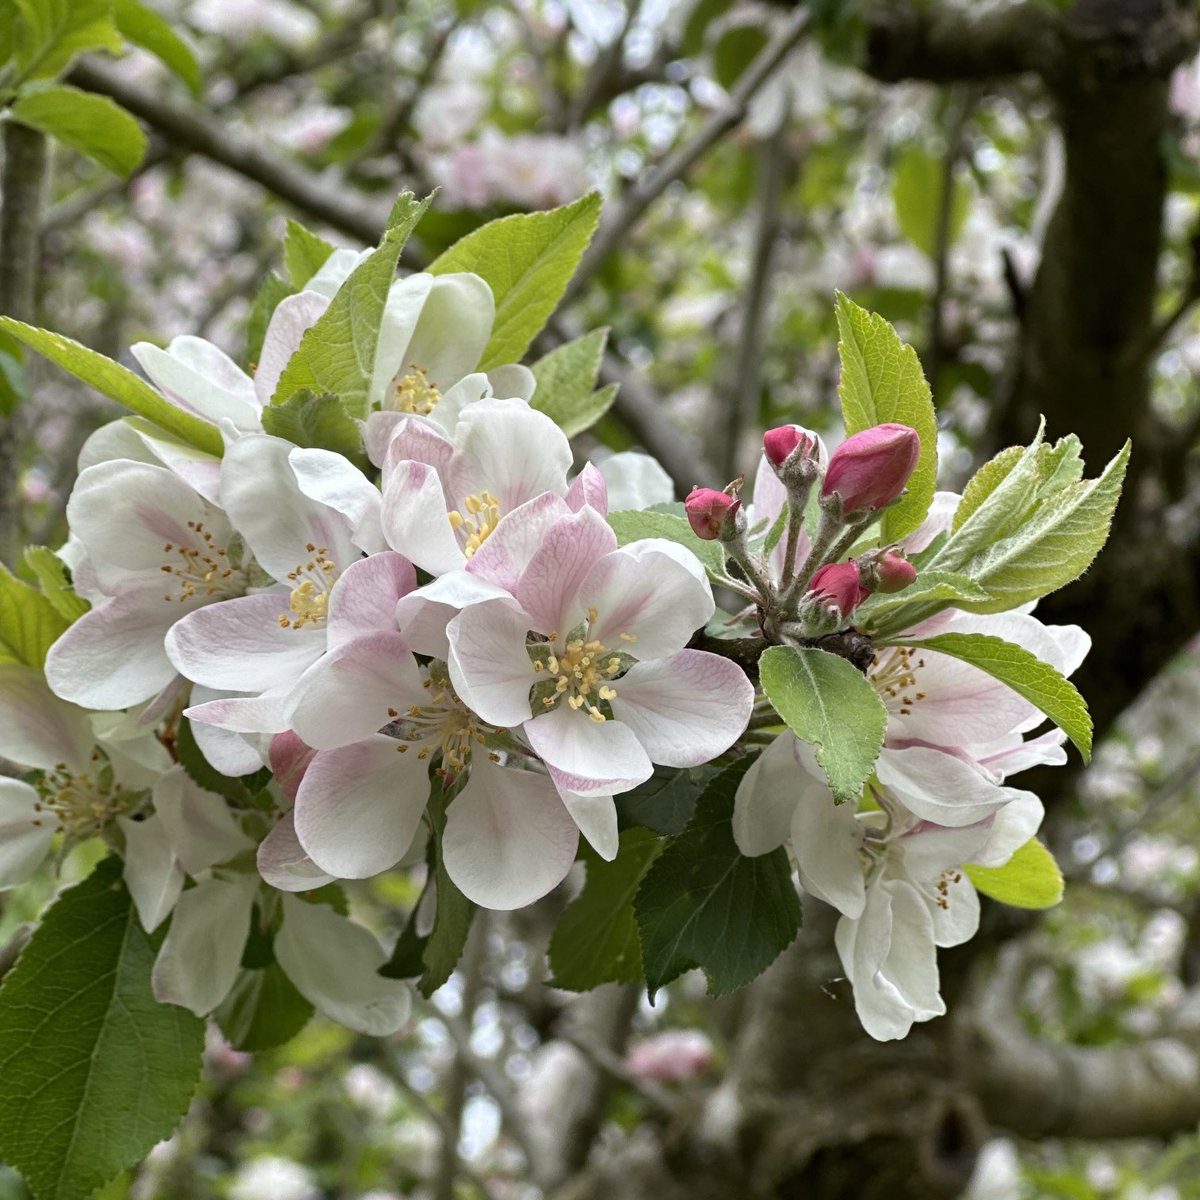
(1011, 828)
(292, 317)
(198, 824)
(153, 874)
(333, 480)
(334, 964)
(550, 585)
(940, 787)
(489, 664)
(37, 729)
(453, 327)
(635, 480)
(416, 520)
(512, 379)
(231, 753)
(406, 297)
(201, 379)
(267, 713)
(596, 817)
(364, 599)
(514, 541)
(283, 862)
(585, 756)
(25, 833)
(335, 270)
(766, 799)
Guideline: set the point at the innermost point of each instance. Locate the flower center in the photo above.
(415, 392)
(483, 515)
(444, 726)
(893, 676)
(309, 600)
(581, 668)
(82, 804)
(201, 568)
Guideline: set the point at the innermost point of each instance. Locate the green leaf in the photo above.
(337, 352)
(596, 938)
(703, 904)
(527, 260)
(917, 183)
(826, 701)
(263, 1010)
(1025, 673)
(143, 27)
(735, 50)
(240, 790)
(1030, 879)
(304, 253)
(633, 524)
(882, 381)
(309, 419)
(14, 387)
(932, 592)
(51, 575)
(272, 289)
(93, 125)
(984, 482)
(666, 801)
(565, 378)
(29, 623)
(117, 383)
(49, 33)
(93, 1070)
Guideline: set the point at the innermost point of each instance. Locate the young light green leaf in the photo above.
(304, 253)
(93, 1070)
(917, 183)
(882, 381)
(308, 419)
(337, 352)
(527, 260)
(29, 623)
(49, 33)
(1025, 673)
(631, 525)
(596, 938)
(828, 702)
(703, 904)
(142, 26)
(1030, 879)
(91, 124)
(565, 378)
(984, 482)
(117, 383)
(932, 592)
(51, 575)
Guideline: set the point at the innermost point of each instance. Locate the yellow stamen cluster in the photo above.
(415, 392)
(204, 568)
(444, 726)
(82, 804)
(580, 671)
(483, 514)
(309, 601)
(893, 676)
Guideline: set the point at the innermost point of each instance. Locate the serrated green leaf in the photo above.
(14, 387)
(565, 378)
(1030, 879)
(49, 33)
(882, 381)
(631, 525)
(337, 352)
(117, 383)
(51, 575)
(93, 1070)
(596, 938)
(272, 289)
(142, 26)
(828, 702)
(917, 183)
(932, 592)
(309, 419)
(304, 253)
(93, 125)
(527, 260)
(666, 801)
(984, 482)
(1025, 673)
(703, 904)
(29, 623)
(263, 1010)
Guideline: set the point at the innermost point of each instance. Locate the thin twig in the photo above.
(607, 64)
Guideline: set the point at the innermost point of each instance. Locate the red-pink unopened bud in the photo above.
(894, 572)
(708, 511)
(839, 584)
(780, 442)
(870, 469)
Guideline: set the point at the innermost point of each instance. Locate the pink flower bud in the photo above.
(838, 584)
(708, 511)
(289, 758)
(870, 468)
(894, 572)
(780, 442)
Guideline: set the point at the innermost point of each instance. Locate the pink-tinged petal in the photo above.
(359, 806)
(588, 488)
(113, 656)
(152, 873)
(198, 824)
(585, 756)
(25, 833)
(268, 713)
(292, 317)
(199, 960)
(283, 862)
(334, 964)
(453, 327)
(489, 664)
(940, 787)
(364, 599)
(514, 541)
(1012, 756)
(549, 586)
(401, 312)
(685, 709)
(378, 430)
(469, 389)
(508, 838)
(596, 817)
(423, 623)
(239, 645)
(767, 797)
(289, 757)
(415, 439)
(37, 729)
(231, 753)
(201, 379)
(356, 690)
(512, 380)
(200, 471)
(635, 480)
(644, 591)
(334, 481)
(416, 521)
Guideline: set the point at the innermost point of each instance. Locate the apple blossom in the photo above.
(870, 468)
